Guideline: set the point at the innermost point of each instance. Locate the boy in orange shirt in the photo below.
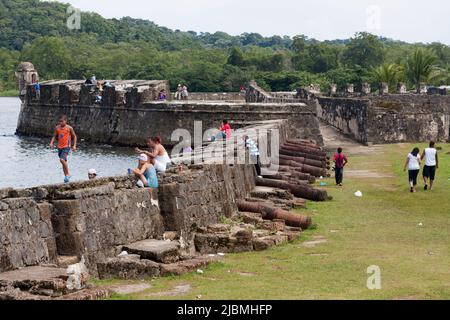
(65, 135)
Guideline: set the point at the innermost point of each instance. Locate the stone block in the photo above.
(264, 243)
(128, 267)
(157, 250)
(251, 218)
(45, 211)
(5, 193)
(182, 267)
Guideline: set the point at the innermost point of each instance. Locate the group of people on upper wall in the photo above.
(96, 88)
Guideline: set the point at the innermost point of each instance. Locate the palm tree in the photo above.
(388, 73)
(421, 67)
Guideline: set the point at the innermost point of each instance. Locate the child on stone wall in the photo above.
(146, 173)
(65, 135)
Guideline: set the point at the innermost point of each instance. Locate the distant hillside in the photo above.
(125, 48)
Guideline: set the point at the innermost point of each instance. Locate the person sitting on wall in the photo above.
(108, 84)
(184, 93)
(146, 173)
(225, 132)
(159, 154)
(98, 97)
(92, 174)
(37, 90)
(162, 96)
(178, 93)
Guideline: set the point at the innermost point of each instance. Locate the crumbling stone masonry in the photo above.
(93, 219)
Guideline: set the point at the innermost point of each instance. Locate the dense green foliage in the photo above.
(36, 31)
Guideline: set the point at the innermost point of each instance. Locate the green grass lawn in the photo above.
(381, 228)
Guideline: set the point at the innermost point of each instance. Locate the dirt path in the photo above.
(334, 139)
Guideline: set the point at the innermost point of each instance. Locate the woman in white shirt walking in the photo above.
(413, 165)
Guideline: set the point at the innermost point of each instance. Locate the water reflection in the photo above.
(27, 161)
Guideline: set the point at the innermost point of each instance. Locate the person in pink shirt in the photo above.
(226, 130)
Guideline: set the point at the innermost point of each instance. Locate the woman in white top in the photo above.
(158, 153)
(413, 165)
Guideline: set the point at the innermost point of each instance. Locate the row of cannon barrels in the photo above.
(300, 163)
(271, 213)
(297, 189)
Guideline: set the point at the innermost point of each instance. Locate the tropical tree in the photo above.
(365, 50)
(236, 57)
(421, 67)
(389, 73)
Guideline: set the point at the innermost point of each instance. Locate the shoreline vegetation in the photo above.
(9, 94)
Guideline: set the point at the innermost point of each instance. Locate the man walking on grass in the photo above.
(340, 161)
(431, 165)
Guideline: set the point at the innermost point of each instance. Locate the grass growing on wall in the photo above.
(406, 235)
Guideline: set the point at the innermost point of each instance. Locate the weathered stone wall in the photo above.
(202, 197)
(389, 118)
(130, 126)
(94, 226)
(26, 234)
(408, 118)
(348, 115)
(95, 218)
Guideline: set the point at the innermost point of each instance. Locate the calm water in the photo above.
(27, 162)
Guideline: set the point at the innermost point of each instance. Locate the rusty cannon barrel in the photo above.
(271, 213)
(292, 153)
(291, 219)
(300, 191)
(304, 149)
(303, 144)
(309, 162)
(296, 174)
(287, 178)
(315, 171)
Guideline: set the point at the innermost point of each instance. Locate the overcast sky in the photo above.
(407, 20)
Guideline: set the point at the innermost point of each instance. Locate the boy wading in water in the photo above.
(431, 165)
(65, 136)
(340, 161)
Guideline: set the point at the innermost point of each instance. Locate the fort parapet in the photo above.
(388, 118)
(130, 112)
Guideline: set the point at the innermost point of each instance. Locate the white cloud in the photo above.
(407, 20)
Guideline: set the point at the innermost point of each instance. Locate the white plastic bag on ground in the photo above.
(358, 194)
(78, 275)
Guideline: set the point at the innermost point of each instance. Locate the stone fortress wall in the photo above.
(130, 112)
(388, 118)
(373, 117)
(95, 218)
